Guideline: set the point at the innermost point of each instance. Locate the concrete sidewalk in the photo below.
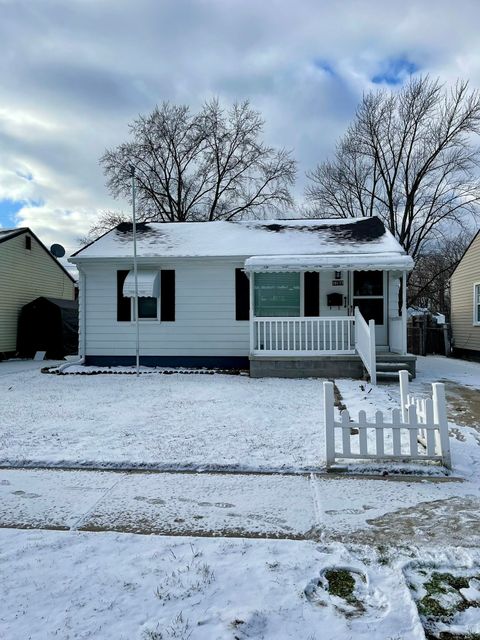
(348, 509)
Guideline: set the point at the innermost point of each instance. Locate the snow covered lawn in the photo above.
(113, 586)
(168, 421)
(191, 421)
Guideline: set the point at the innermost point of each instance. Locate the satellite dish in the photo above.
(57, 250)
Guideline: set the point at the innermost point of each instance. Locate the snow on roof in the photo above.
(365, 261)
(245, 238)
(5, 234)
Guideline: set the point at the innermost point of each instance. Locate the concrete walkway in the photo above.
(348, 509)
(8, 367)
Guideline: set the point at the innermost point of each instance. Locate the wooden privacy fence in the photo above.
(416, 431)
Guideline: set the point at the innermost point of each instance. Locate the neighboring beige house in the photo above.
(27, 271)
(465, 302)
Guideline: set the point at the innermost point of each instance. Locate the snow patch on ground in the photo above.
(72, 585)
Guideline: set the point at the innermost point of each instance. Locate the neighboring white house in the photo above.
(27, 271)
(283, 297)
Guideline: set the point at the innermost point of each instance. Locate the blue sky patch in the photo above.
(10, 208)
(8, 211)
(395, 70)
(324, 65)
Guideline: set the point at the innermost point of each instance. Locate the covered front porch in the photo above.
(351, 308)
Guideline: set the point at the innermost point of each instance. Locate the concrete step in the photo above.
(391, 366)
(387, 375)
(390, 376)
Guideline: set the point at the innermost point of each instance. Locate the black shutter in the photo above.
(242, 295)
(312, 293)
(124, 308)
(167, 295)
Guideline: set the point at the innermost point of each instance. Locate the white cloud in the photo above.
(75, 73)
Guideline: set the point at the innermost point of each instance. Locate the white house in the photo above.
(283, 297)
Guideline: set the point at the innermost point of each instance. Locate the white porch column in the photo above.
(251, 280)
(404, 311)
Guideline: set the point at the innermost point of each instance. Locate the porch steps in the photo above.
(388, 366)
(391, 366)
(389, 376)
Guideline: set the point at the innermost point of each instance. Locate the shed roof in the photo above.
(245, 239)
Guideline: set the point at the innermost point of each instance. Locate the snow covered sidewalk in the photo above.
(319, 507)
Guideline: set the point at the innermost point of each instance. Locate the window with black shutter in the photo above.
(124, 307)
(167, 295)
(242, 295)
(311, 293)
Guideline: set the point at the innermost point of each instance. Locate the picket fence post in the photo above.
(404, 391)
(440, 418)
(329, 421)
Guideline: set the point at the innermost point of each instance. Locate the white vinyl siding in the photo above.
(466, 333)
(26, 274)
(204, 324)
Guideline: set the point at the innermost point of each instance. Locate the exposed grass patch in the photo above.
(341, 583)
(440, 596)
(340, 587)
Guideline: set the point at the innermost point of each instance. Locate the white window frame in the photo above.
(476, 303)
(132, 315)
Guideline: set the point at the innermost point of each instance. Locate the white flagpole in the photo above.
(135, 274)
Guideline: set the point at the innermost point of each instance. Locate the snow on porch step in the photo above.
(390, 375)
(391, 366)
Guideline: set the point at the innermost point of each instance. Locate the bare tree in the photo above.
(429, 285)
(211, 165)
(410, 157)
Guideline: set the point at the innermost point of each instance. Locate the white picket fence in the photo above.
(416, 431)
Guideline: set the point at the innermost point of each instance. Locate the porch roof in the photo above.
(358, 261)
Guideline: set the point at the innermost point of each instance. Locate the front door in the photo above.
(368, 294)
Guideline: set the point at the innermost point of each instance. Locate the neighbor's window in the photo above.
(476, 303)
(28, 243)
(277, 294)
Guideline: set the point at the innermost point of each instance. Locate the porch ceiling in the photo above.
(357, 261)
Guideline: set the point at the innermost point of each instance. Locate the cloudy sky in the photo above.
(74, 73)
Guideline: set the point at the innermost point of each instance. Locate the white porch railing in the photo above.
(302, 336)
(365, 344)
